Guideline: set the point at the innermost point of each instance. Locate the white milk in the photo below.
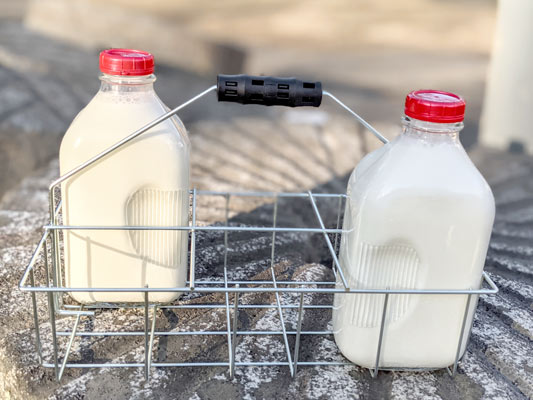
(144, 183)
(418, 215)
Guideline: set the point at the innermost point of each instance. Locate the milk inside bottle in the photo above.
(418, 216)
(143, 183)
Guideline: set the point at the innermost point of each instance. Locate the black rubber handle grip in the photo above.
(268, 91)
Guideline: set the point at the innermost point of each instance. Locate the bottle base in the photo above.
(118, 298)
(398, 359)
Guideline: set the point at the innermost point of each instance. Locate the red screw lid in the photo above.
(435, 106)
(126, 62)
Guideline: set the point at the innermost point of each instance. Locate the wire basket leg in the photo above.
(231, 354)
(374, 373)
(69, 346)
(278, 301)
(152, 337)
(193, 242)
(463, 326)
(38, 345)
(235, 327)
(298, 332)
(51, 307)
(146, 338)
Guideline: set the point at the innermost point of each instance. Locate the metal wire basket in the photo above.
(287, 295)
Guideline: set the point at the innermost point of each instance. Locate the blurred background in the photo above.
(370, 53)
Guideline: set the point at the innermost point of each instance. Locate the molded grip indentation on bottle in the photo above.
(389, 266)
(154, 207)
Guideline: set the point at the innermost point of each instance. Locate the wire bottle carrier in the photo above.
(246, 90)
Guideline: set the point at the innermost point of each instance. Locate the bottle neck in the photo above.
(121, 84)
(431, 131)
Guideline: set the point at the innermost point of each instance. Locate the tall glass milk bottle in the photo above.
(143, 183)
(418, 216)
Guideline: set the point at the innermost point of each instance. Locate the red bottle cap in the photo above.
(435, 106)
(126, 62)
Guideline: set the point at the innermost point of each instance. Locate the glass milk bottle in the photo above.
(418, 216)
(143, 183)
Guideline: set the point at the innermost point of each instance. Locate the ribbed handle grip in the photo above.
(268, 91)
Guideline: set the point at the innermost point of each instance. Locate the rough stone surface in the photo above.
(270, 156)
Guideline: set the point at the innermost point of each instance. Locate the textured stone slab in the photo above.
(272, 155)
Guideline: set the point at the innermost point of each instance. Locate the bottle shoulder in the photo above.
(416, 170)
(106, 120)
